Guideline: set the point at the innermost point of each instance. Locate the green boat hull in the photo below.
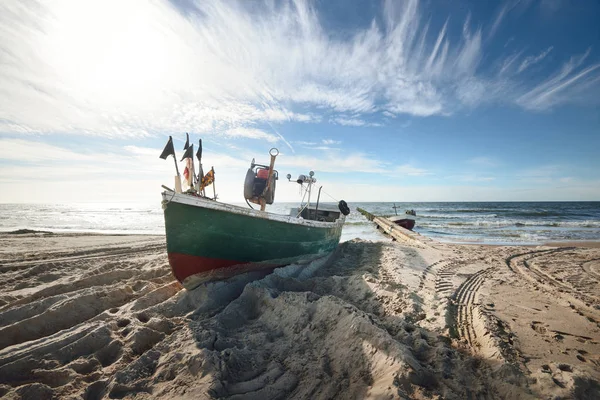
(207, 240)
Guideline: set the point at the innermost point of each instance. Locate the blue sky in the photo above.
(385, 101)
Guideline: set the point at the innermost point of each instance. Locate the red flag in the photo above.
(187, 172)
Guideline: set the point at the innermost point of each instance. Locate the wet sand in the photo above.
(92, 316)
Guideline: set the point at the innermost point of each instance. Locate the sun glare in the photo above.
(112, 52)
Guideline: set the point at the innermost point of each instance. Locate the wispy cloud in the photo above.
(542, 174)
(572, 80)
(251, 133)
(324, 144)
(508, 64)
(476, 178)
(341, 162)
(139, 68)
(353, 122)
(531, 60)
(409, 170)
(483, 161)
(499, 17)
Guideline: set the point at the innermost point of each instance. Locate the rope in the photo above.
(333, 198)
(165, 202)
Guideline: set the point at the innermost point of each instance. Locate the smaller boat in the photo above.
(403, 221)
(406, 223)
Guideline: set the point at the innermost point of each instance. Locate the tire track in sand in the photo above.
(592, 268)
(437, 280)
(583, 298)
(474, 325)
(107, 252)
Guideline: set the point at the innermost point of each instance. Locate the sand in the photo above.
(92, 316)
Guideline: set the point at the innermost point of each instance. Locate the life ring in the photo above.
(343, 206)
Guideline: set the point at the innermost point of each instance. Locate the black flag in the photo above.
(169, 149)
(189, 153)
(187, 141)
(199, 152)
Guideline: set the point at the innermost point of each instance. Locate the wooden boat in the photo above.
(406, 223)
(208, 240)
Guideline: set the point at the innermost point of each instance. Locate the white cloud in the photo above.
(483, 161)
(20, 150)
(251, 133)
(544, 174)
(325, 144)
(531, 60)
(409, 170)
(580, 191)
(334, 162)
(304, 143)
(476, 178)
(129, 68)
(134, 173)
(569, 83)
(498, 20)
(508, 63)
(72, 170)
(342, 162)
(353, 122)
(31, 160)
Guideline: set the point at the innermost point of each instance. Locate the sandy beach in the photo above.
(94, 316)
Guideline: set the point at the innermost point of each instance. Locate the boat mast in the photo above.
(309, 180)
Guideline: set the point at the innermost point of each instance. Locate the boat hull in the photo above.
(207, 240)
(406, 223)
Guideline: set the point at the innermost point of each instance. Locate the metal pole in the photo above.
(308, 201)
(317, 207)
(214, 180)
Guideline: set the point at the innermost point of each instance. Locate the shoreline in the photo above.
(565, 243)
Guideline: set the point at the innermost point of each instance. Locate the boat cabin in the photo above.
(325, 213)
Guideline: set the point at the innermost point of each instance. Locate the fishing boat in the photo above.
(208, 240)
(406, 223)
(403, 221)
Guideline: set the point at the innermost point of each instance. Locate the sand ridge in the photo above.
(93, 316)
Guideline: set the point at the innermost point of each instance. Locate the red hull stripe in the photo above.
(184, 265)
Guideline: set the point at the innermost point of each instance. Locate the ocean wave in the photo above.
(357, 223)
(454, 216)
(499, 223)
(532, 213)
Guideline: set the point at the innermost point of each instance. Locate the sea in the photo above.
(466, 222)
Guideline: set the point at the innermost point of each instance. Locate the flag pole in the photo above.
(214, 180)
(187, 144)
(193, 169)
(169, 150)
(176, 167)
(201, 176)
(200, 172)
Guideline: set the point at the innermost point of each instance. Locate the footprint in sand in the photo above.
(538, 327)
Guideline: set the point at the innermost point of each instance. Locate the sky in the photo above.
(385, 100)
